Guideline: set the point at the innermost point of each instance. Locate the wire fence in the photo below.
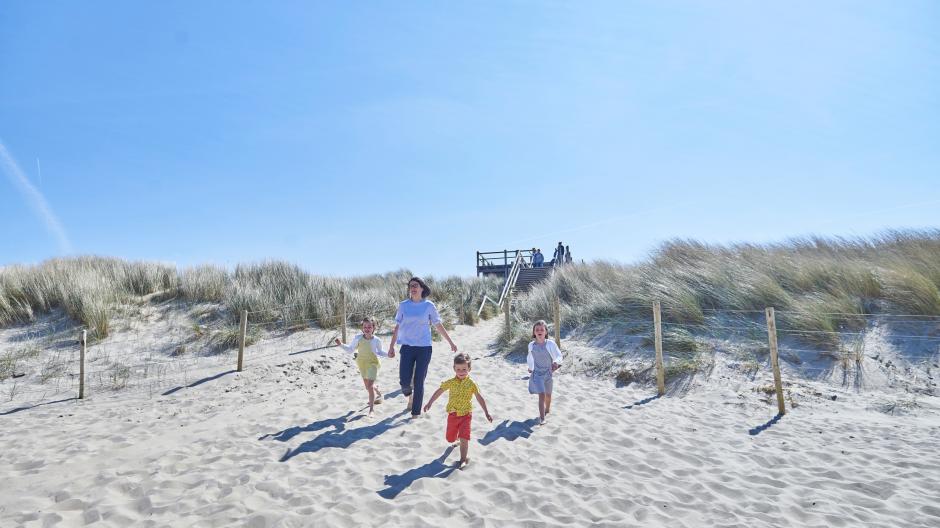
(159, 358)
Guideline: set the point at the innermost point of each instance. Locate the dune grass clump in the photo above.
(119, 374)
(911, 290)
(85, 287)
(516, 344)
(687, 365)
(226, 338)
(9, 360)
(675, 341)
(204, 284)
(464, 296)
(269, 291)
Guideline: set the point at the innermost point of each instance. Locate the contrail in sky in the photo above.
(36, 200)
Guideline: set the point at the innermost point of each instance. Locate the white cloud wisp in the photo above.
(35, 199)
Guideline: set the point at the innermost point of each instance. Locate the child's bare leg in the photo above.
(464, 447)
(548, 403)
(541, 407)
(369, 387)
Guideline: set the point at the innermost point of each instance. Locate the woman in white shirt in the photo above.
(413, 323)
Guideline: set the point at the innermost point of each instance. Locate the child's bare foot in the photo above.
(464, 462)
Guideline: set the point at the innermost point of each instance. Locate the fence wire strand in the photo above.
(136, 363)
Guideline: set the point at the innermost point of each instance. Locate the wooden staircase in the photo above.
(520, 278)
(529, 277)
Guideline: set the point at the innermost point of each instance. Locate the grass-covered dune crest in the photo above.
(89, 288)
(823, 283)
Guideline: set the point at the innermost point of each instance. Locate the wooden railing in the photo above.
(504, 258)
(517, 265)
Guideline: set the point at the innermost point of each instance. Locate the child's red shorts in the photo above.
(458, 426)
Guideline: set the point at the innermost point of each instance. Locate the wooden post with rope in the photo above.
(774, 361)
(242, 329)
(557, 322)
(658, 339)
(342, 313)
(506, 312)
(81, 367)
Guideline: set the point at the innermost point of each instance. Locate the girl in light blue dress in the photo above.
(544, 359)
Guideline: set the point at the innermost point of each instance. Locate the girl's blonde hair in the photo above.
(367, 320)
(537, 323)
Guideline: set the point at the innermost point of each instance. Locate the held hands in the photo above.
(555, 366)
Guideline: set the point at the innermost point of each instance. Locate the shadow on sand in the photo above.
(340, 437)
(304, 351)
(763, 427)
(338, 423)
(510, 431)
(396, 484)
(644, 401)
(199, 382)
(28, 407)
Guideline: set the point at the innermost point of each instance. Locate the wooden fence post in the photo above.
(658, 340)
(508, 322)
(774, 362)
(342, 312)
(558, 322)
(242, 328)
(81, 368)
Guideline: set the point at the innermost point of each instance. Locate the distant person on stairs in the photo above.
(559, 256)
(538, 259)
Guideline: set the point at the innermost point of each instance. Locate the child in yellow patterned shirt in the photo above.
(459, 406)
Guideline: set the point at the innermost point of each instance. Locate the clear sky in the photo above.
(361, 137)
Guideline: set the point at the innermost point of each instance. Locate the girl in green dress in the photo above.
(368, 348)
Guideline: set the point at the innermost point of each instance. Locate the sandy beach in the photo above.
(288, 443)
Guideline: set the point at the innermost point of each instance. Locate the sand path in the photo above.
(267, 448)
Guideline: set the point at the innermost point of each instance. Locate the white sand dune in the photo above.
(278, 445)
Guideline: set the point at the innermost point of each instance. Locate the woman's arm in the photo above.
(391, 344)
(443, 332)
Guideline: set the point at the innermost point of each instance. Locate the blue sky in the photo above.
(360, 137)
